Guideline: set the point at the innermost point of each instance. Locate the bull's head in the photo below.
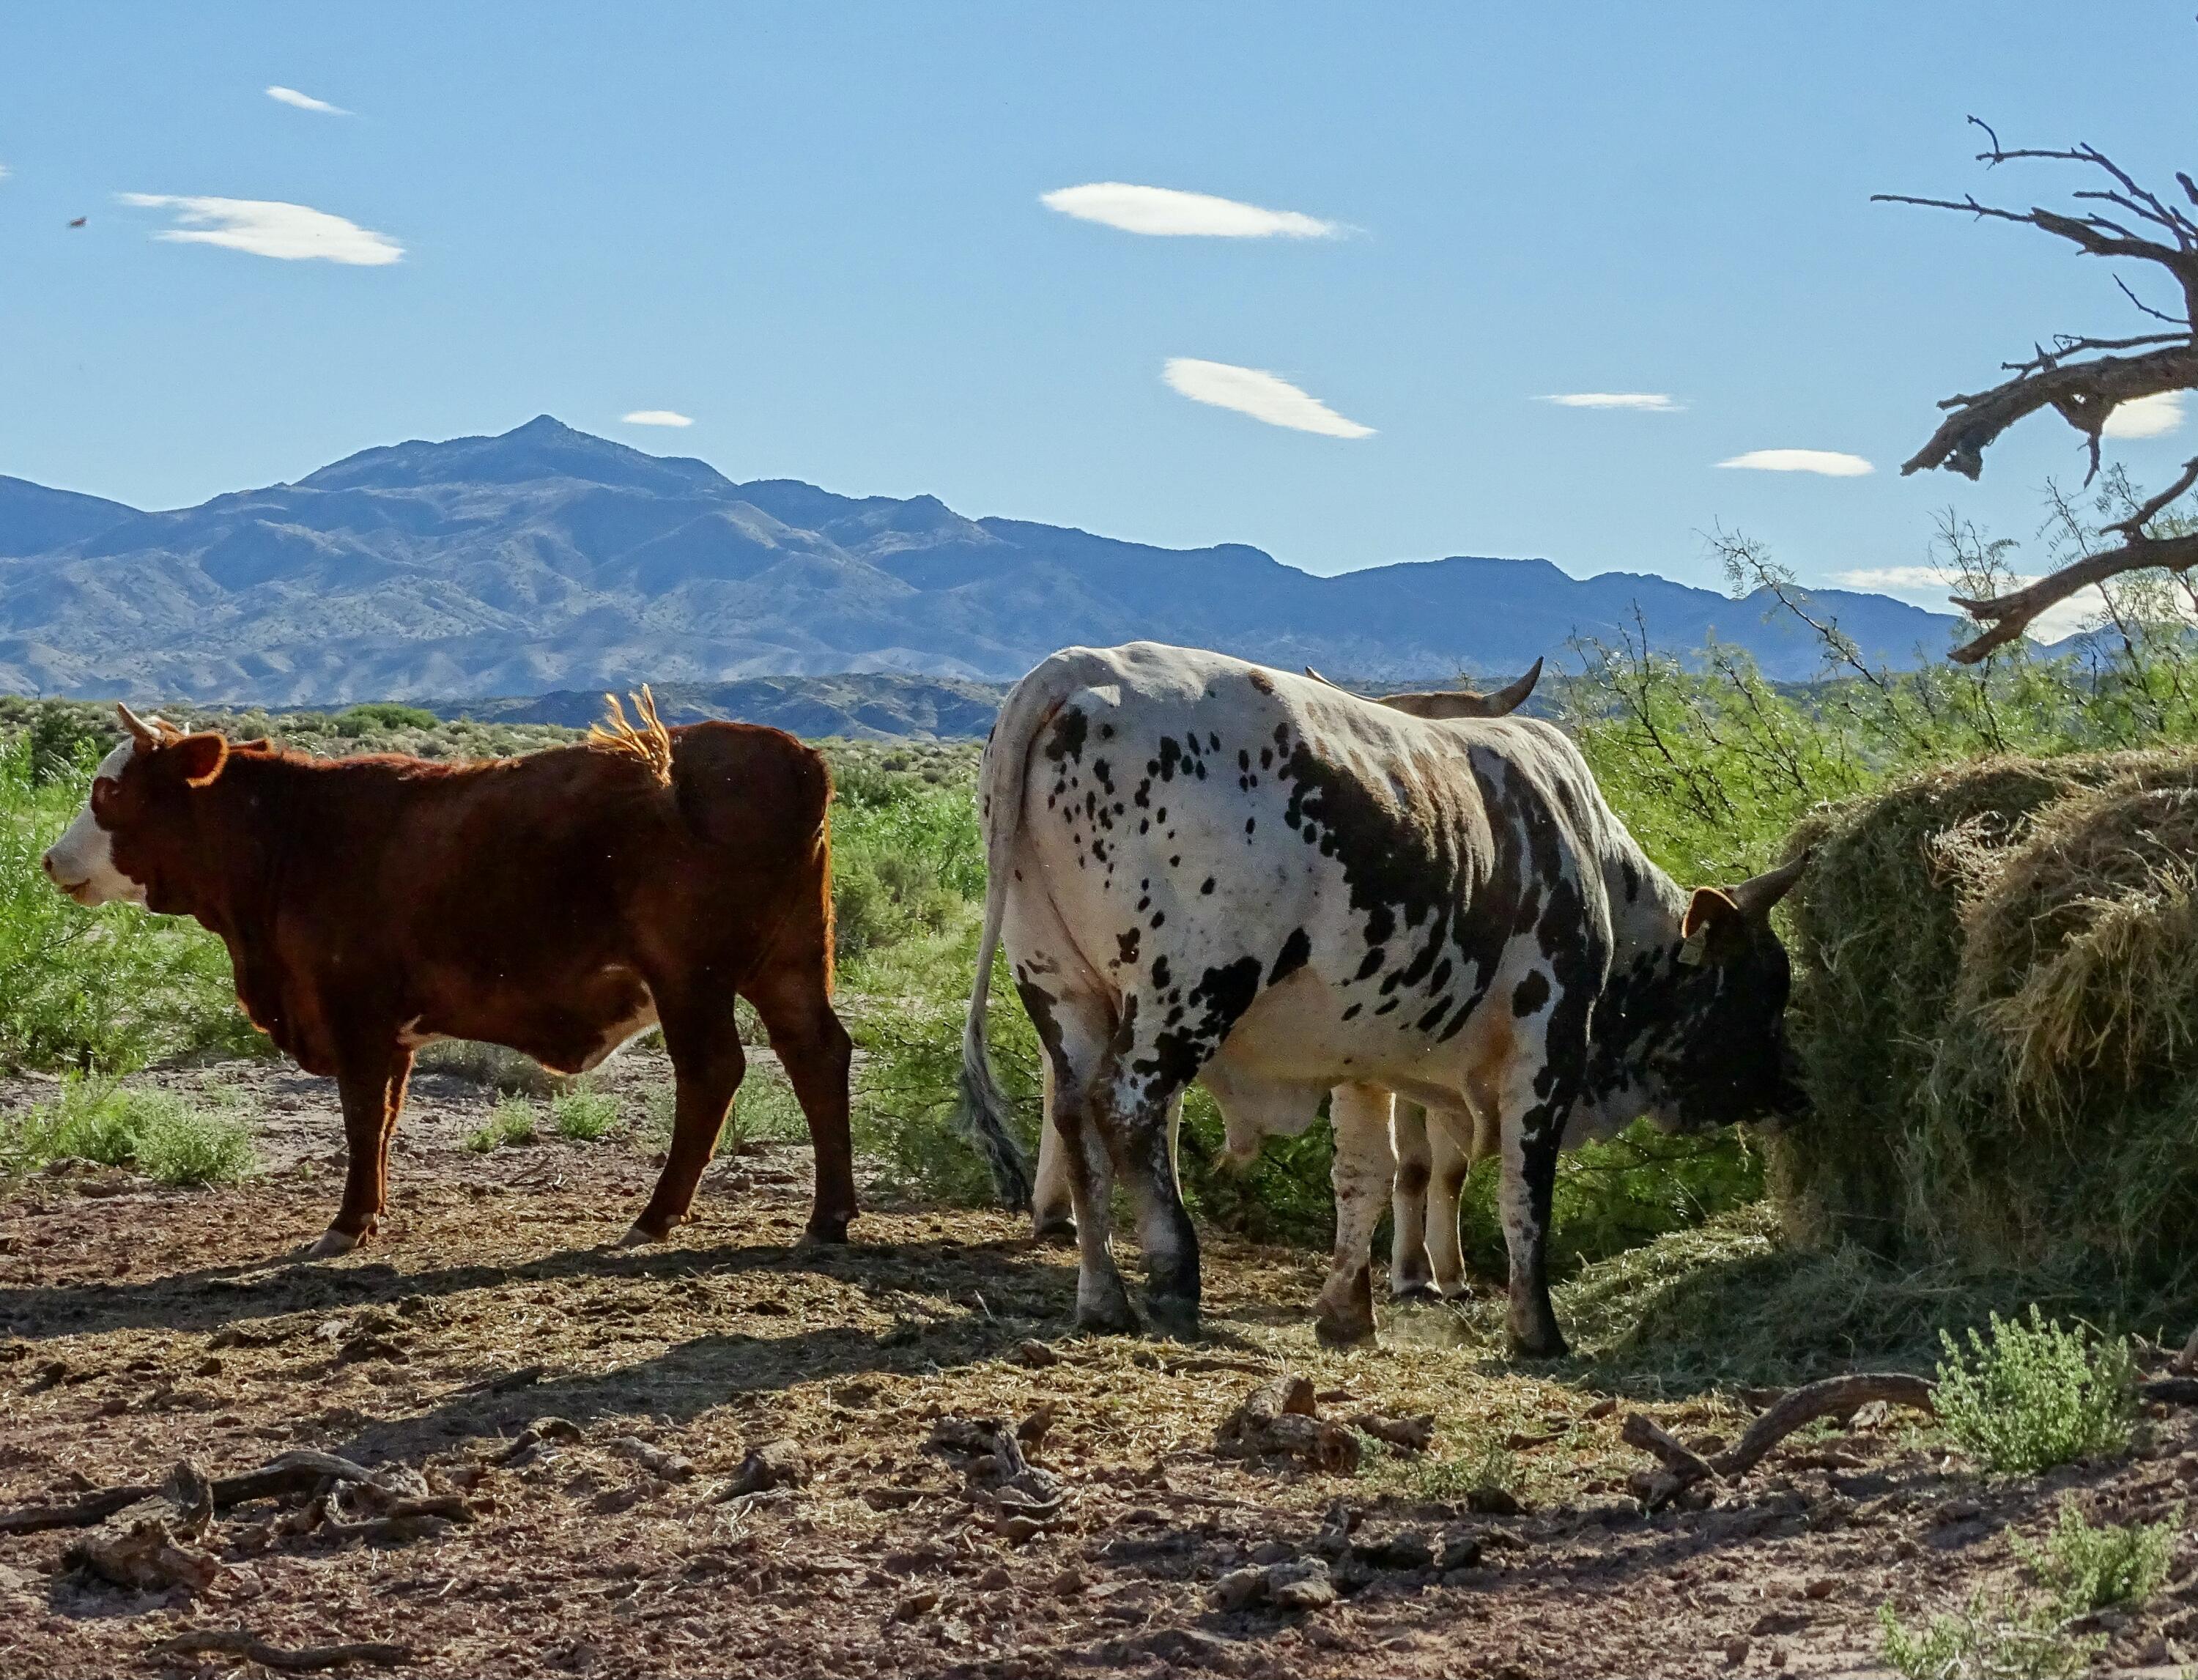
(140, 801)
(1453, 702)
(1726, 1057)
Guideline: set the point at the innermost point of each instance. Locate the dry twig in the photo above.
(1684, 1467)
(242, 1643)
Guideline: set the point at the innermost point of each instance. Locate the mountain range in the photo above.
(545, 559)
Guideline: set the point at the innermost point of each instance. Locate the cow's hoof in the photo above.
(328, 1244)
(827, 1232)
(1108, 1315)
(1174, 1316)
(1422, 1293)
(636, 1237)
(1059, 1231)
(1343, 1332)
(1546, 1343)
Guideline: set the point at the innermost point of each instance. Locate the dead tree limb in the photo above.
(242, 1643)
(290, 1473)
(1684, 1467)
(2082, 378)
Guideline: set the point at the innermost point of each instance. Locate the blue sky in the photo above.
(818, 233)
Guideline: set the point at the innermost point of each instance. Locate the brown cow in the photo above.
(558, 904)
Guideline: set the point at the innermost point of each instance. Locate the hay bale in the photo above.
(1996, 971)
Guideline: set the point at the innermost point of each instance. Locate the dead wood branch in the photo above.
(242, 1643)
(2083, 378)
(1684, 1467)
(290, 1473)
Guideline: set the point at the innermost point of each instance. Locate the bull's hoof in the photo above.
(1343, 1332)
(829, 1231)
(329, 1244)
(1108, 1315)
(637, 1237)
(1420, 1292)
(1059, 1231)
(1542, 1342)
(1173, 1316)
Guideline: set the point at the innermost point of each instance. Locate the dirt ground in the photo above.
(141, 1326)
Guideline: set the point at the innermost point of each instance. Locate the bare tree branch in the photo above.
(2083, 378)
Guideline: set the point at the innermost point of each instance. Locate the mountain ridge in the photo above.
(545, 559)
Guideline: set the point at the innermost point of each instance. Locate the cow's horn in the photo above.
(1317, 677)
(1509, 698)
(1755, 897)
(140, 730)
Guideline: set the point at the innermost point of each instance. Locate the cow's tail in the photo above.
(983, 1108)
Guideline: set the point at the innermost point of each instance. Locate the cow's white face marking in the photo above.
(81, 863)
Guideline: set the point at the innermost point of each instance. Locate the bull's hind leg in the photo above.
(1365, 1169)
(704, 1042)
(370, 1083)
(1410, 1277)
(1074, 1029)
(1053, 1211)
(1142, 1137)
(1450, 1161)
(813, 1048)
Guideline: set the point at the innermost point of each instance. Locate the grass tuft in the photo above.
(1987, 1639)
(2088, 1569)
(512, 1123)
(583, 1116)
(159, 1133)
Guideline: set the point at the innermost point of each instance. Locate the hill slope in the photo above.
(546, 559)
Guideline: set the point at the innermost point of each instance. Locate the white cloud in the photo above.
(2152, 416)
(306, 101)
(1260, 394)
(268, 227)
(1162, 210)
(1649, 402)
(1895, 579)
(4, 171)
(1828, 462)
(658, 417)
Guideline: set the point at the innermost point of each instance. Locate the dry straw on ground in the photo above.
(1997, 996)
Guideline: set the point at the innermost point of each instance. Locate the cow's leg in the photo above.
(370, 1083)
(1449, 1162)
(813, 1048)
(1530, 1178)
(704, 1043)
(1409, 1276)
(1365, 1167)
(1141, 1137)
(1053, 1215)
(1529, 1077)
(1074, 1027)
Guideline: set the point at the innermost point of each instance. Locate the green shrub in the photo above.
(512, 1122)
(583, 1116)
(2036, 1395)
(2087, 1569)
(511, 1072)
(381, 715)
(1987, 1639)
(160, 1133)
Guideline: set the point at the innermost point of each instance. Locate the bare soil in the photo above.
(141, 1326)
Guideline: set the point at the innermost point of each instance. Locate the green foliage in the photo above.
(906, 857)
(512, 1122)
(1987, 1639)
(583, 1116)
(508, 1071)
(383, 715)
(2035, 1395)
(160, 1133)
(2087, 1569)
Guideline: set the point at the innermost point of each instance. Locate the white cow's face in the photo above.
(81, 863)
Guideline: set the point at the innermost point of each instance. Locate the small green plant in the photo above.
(1987, 1639)
(162, 1133)
(2087, 1569)
(583, 1115)
(2035, 1395)
(511, 1123)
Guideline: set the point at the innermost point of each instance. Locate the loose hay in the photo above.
(1996, 1000)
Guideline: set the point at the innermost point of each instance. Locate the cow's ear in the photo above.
(200, 758)
(1715, 929)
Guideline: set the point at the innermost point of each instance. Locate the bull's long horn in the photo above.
(1757, 895)
(1512, 696)
(1463, 702)
(1317, 677)
(140, 731)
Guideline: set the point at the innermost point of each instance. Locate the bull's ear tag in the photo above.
(1695, 949)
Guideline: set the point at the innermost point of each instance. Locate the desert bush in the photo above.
(2087, 1569)
(360, 721)
(583, 1116)
(2035, 1395)
(162, 1133)
(512, 1121)
(1987, 1639)
(492, 1066)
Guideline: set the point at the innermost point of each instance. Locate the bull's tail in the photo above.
(984, 1109)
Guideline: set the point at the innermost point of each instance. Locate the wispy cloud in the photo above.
(1162, 210)
(2152, 416)
(4, 171)
(1930, 587)
(306, 101)
(1648, 402)
(1828, 462)
(268, 227)
(1262, 395)
(658, 417)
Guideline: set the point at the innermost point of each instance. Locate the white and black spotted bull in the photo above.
(1206, 869)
